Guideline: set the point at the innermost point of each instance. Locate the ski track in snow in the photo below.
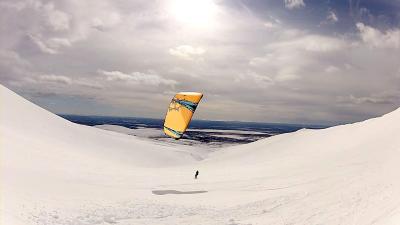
(274, 210)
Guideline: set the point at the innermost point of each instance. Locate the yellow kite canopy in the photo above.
(180, 112)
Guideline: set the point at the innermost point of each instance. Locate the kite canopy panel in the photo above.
(180, 112)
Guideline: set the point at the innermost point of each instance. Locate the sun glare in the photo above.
(198, 13)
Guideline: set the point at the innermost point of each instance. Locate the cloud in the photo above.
(332, 17)
(13, 68)
(381, 98)
(53, 26)
(272, 23)
(338, 65)
(107, 21)
(56, 43)
(259, 80)
(137, 77)
(187, 52)
(314, 43)
(332, 69)
(294, 4)
(119, 54)
(376, 38)
(89, 83)
(42, 46)
(284, 77)
(292, 59)
(57, 20)
(13, 5)
(55, 79)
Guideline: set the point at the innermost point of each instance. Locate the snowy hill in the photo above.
(57, 172)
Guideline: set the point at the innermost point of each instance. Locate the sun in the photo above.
(197, 13)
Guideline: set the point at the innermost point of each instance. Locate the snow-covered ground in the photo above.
(57, 172)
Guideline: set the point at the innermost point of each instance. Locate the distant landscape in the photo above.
(200, 132)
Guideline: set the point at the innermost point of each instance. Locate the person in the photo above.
(197, 173)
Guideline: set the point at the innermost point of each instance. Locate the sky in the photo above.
(282, 61)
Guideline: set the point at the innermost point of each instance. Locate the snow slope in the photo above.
(57, 172)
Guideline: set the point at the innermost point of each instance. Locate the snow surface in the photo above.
(57, 172)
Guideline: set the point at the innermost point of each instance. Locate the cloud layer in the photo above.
(128, 58)
(293, 4)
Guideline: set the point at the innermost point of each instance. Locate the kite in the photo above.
(180, 112)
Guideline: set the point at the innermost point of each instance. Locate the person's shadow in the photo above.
(175, 192)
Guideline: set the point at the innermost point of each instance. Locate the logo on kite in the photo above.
(180, 112)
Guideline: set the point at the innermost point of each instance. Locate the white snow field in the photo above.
(57, 172)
